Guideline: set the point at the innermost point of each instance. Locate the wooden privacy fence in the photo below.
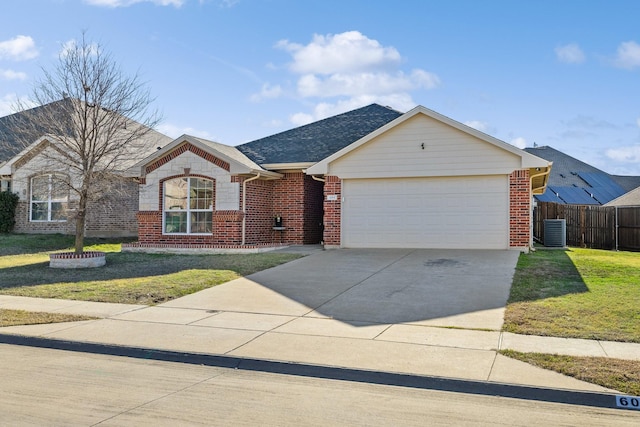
(596, 227)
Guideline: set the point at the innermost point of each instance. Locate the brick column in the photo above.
(332, 211)
(149, 227)
(519, 209)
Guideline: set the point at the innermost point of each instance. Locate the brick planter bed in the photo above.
(88, 259)
(199, 249)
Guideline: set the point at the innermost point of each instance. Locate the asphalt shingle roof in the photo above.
(318, 140)
(10, 136)
(574, 182)
(15, 128)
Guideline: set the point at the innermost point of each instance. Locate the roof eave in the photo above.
(268, 175)
(295, 166)
(237, 168)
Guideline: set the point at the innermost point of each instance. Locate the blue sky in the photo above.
(559, 73)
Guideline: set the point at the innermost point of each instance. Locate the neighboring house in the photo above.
(577, 183)
(372, 177)
(46, 203)
(632, 198)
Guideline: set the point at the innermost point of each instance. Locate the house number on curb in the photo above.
(628, 402)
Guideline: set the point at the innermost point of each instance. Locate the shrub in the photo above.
(8, 203)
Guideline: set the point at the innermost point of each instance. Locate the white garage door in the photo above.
(456, 213)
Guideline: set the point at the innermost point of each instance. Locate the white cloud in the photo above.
(175, 131)
(570, 54)
(350, 51)
(6, 104)
(19, 48)
(629, 154)
(519, 142)
(301, 119)
(628, 55)
(479, 125)
(267, 92)
(12, 75)
(71, 45)
(126, 3)
(10, 102)
(357, 84)
(350, 70)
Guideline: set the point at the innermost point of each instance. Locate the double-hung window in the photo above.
(188, 206)
(49, 199)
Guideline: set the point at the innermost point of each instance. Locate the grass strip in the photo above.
(616, 374)
(21, 317)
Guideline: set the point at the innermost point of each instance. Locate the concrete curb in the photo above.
(572, 397)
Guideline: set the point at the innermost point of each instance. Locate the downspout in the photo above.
(315, 178)
(244, 206)
(546, 172)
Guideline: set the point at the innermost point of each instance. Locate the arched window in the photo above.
(49, 199)
(188, 206)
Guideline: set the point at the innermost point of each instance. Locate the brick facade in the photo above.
(519, 209)
(112, 216)
(332, 210)
(296, 197)
(260, 213)
(115, 215)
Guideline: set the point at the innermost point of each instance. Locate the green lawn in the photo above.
(579, 293)
(130, 278)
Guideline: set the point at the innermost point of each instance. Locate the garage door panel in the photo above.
(462, 212)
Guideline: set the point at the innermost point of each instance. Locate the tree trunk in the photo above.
(80, 221)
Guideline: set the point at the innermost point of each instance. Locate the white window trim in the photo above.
(49, 200)
(188, 210)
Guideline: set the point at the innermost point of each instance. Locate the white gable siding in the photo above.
(227, 192)
(447, 152)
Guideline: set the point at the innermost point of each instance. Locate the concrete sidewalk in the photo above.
(400, 348)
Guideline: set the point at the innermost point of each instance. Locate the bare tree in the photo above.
(95, 120)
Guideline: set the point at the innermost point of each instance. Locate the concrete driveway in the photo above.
(360, 309)
(360, 287)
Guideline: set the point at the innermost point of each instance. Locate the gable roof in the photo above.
(318, 140)
(574, 182)
(527, 160)
(238, 162)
